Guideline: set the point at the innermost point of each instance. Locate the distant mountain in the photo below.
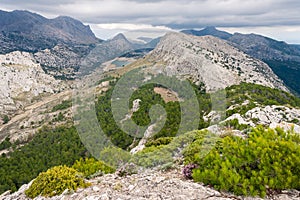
(283, 58)
(145, 39)
(263, 47)
(26, 31)
(153, 43)
(296, 46)
(209, 31)
(107, 50)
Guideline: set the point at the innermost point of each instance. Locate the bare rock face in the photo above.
(61, 61)
(22, 80)
(212, 61)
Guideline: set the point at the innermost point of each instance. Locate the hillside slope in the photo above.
(212, 61)
(283, 58)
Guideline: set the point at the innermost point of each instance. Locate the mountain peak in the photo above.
(212, 28)
(209, 30)
(120, 36)
(204, 61)
(33, 32)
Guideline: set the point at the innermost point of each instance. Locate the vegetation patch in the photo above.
(267, 160)
(48, 148)
(5, 119)
(64, 105)
(5, 144)
(55, 181)
(90, 166)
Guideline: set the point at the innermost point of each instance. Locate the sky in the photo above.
(279, 19)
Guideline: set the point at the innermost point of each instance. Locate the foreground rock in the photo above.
(146, 185)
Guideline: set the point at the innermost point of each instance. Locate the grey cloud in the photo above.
(176, 14)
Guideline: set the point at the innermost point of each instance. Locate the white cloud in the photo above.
(132, 31)
(131, 27)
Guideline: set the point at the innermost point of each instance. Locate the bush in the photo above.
(5, 119)
(55, 181)
(159, 141)
(114, 156)
(267, 160)
(5, 144)
(90, 166)
(202, 142)
(152, 156)
(64, 105)
(234, 124)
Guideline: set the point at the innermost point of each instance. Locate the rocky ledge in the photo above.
(149, 184)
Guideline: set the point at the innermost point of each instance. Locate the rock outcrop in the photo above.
(22, 80)
(271, 116)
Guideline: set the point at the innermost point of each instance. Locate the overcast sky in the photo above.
(279, 19)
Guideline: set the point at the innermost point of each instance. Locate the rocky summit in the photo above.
(212, 61)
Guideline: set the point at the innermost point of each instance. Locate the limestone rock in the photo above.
(21, 80)
(210, 60)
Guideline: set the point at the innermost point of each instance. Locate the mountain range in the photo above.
(59, 44)
(26, 31)
(283, 58)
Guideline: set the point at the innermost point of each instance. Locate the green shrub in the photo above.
(202, 142)
(267, 160)
(234, 123)
(159, 141)
(114, 156)
(165, 155)
(5, 119)
(64, 105)
(5, 144)
(55, 181)
(90, 166)
(152, 156)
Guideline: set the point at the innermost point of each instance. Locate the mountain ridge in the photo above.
(283, 58)
(210, 30)
(27, 31)
(211, 60)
